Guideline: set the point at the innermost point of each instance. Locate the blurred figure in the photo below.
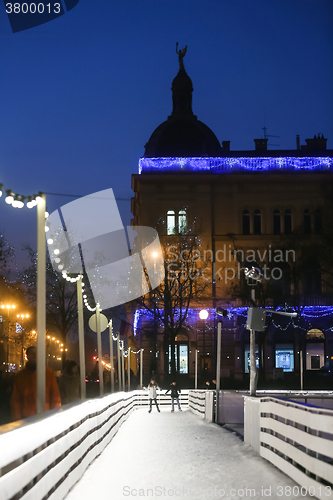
(24, 395)
(69, 382)
(152, 394)
(174, 396)
(211, 384)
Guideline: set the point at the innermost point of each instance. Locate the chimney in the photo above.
(317, 143)
(226, 145)
(261, 144)
(298, 144)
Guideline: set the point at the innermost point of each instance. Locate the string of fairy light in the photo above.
(17, 200)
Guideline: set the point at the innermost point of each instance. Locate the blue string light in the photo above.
(308, 312)
(228, 165)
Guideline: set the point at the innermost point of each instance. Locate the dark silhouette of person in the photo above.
(24, 395)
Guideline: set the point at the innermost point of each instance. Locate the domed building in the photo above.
(231, 210)
(182, 134)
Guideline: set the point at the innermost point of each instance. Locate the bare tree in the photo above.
(185, 283)
(61, 297)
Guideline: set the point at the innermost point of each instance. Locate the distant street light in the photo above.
(23, 317)
(9, 308)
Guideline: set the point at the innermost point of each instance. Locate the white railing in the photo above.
(201, 403)
(297, 438)
(44, 456)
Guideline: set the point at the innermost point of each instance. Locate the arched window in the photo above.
(181, 353)
(182, 222)
(171, 222)
(318, 226)
(307, 221)
(246, 222)
(276, 222)
(257, 222)
(287, 221)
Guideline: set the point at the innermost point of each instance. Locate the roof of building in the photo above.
(182, 134)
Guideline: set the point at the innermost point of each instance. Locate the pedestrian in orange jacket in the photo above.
(24, 395)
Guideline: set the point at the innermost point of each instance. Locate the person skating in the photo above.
(152, 394)
(174, 396)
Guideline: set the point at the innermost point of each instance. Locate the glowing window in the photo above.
(182, 222)
(171, 222)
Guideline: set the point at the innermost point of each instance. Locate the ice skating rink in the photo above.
(178, 455)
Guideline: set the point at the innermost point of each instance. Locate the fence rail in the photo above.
(297, 438)
(43, 457)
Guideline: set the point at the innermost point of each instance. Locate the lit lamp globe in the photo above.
(203, 314)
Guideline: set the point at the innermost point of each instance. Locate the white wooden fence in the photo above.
(297, 438)
(43, 457)
(201, 403)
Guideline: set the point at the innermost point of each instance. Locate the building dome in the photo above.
(182, 134)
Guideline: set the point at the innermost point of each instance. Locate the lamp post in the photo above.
(203, 314)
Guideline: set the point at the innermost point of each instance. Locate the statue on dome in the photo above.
(181, 54)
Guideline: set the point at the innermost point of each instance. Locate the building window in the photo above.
(246, 222)
(182, 222)
(284, 357)
(307, 221)
(287, 221)
(318, 226)
(179, 226)
(247, 357)
(171, 222)
(257, 222)
(276, 222)
(181, 354)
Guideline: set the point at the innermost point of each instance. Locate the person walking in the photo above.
(174, 396)
(24, 395)
(152, 394)
(69, 382)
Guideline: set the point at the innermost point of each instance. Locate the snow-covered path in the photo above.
(178, 455)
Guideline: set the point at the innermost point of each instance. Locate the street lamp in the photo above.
(203, 314)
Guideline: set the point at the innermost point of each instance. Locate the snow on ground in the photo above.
(178, 455)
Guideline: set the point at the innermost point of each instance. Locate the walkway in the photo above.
(178, 455)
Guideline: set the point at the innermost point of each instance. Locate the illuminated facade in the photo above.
(258, 207)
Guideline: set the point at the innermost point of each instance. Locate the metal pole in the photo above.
(81, 339)
(111, 356)
(129, 369)
(218, 370)
(253, 367)
(41, 303)
(141, 368)
(99, 350)
(301, 368)
(196, 370)
(119, 364)
(123, 366)
(218, 357)
(204, 348)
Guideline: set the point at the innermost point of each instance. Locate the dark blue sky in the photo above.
(81, 95)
